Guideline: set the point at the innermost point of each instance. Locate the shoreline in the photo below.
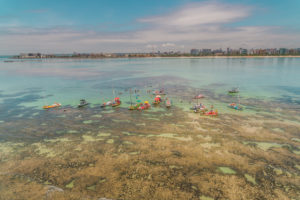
(184, 57)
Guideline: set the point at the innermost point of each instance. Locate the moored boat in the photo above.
(116, 102)
(200, 96)
(55, 105)
(168, 103)
(234, 90)
(82, 103)
(235, 106)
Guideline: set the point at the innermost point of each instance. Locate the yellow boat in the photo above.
(52, 106)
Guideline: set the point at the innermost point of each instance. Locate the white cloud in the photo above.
(168, 45)
(200, 14)
(196, 25)
(151, 46)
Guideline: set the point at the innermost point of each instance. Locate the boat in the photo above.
(200, 96)
(233, 90)
(211, 113)
(159, 92)
(157, 100)
(109, 103)
(116, 102)
(235, 106)
(55, 105)
(168, 103)
(198, 108)
(82, 103)
(144, 106)
(131, 107)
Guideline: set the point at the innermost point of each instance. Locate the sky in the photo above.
(56, 26)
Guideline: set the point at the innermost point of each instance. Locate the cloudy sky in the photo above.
(59, 26)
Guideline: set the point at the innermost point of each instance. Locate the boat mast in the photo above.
(130, 97)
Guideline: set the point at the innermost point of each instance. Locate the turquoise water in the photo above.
(66, 81)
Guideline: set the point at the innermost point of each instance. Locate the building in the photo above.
(195, 52)
(206, 51)
(243, 51)
(283, 51)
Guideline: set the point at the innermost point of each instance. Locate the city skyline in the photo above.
(134, 26)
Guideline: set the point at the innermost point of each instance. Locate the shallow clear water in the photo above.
(115, 146)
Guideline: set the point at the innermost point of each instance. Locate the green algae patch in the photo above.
(296, 139)
(1, 121)
(89, 138)
(265, 146)
(297, 166)
(43, 124)
(35, 114)
(89, 121)
(210, 145)
(92, 187)
(78, 148)
(141, 124)
(60, 132)
(127, 133)
(20, 115)
(250, 179)
(108, 111)
(127, 143)
(206, 198)
(102, 180)
(226, 170)
(175, 167)
(168, 114)
(100, 134)
(134, 153)
(101, 126)
(110, 141)
(9, 147)
(61, 116)
(278, 171)
(70, 185)
(296, 152)
(96, 116)
(72, 131)
(41, 149)
(62, 139)
(207, 138)
(172, 136)
(47, 183)
(121, 120)
(152, 118)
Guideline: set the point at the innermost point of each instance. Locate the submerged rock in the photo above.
(52, 189)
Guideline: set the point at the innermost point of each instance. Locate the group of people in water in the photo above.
(197, 108)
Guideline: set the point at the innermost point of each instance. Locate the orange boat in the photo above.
(211, 113)
(117, 102)
(52, 106)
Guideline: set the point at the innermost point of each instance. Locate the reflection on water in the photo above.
(114, 153)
